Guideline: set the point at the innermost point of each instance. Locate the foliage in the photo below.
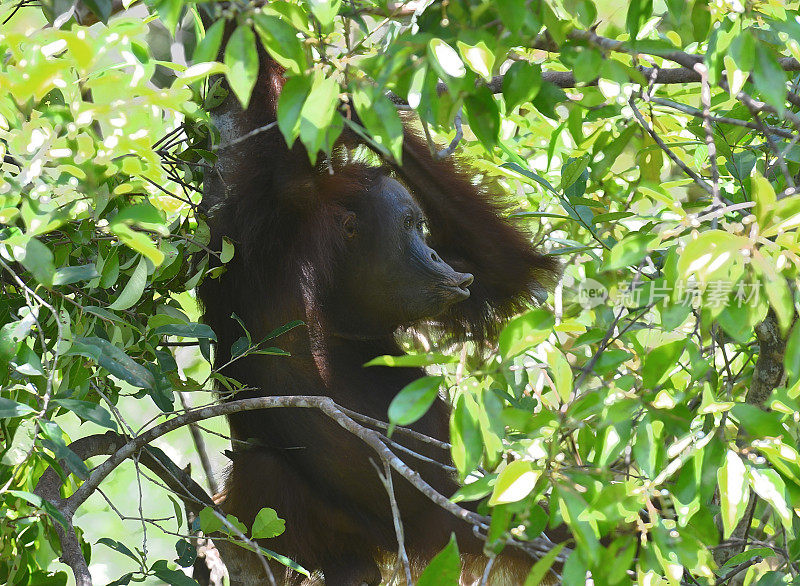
(647, 403)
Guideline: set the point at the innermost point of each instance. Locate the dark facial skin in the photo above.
(391, 274)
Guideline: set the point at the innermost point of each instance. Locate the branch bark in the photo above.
(49, 486)
(122, 448)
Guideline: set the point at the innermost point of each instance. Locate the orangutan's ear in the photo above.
(349, 225)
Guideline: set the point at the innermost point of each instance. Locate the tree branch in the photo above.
(122, 449)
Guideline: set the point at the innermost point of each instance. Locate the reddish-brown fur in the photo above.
(283, 217)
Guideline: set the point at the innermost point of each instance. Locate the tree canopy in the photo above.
(650, 404)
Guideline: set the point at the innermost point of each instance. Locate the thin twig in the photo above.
(783, 133)
(200, 448)
(386, 480)
(451, 148)
(705, 99)
(660, 142)
(244, 137)
(487, 570)
(740, 568)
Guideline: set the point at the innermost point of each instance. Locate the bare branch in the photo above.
(721, 119)
(200, 447)
(386, 480)
(451, 148)
(660, 142)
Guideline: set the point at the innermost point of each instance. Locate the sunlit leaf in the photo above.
(414, 400)
(241, 59)
(515, 482)
(733, 491)
(267, 524)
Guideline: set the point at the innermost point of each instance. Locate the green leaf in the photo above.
(209, 521)
(190, 330)
(769, 77)
(88, 411)
(763, 194)
(133, 288)
(290, 105)
(757, 422)
(380, 118)
(101, 9)
(746, 556)
(227, 250)
(241, 58)
(40, 503)
(768, 484)
(547, 98)
(521, 83)
(792, 357)
(483, 116)
(55, 442)
(38, 260)
(572, 171)
(324, 10)
(465, 435)
(733, 491)
(701, 20)
(713, 255)
(280, 40)
(141, 214)
(69, 275)
(120, 547)
(659, 362)
(514, 483)
(639, 11)
(114, 360)
(525, 331)
(267, 524)
(444, 569)
(19, 448)
(317, 113)
(475, 490)
(187, 553)
(588, 65)
(445, 59)
(235, 523)
(779, 295)
(208, 48)
(174, 577)
(169, 11)
(512, 13)
(412, 360)
(541, 568)
(9, 408)
(479, 58)
(562, 373)
(103, 314)
(414, 400)
(138, 241)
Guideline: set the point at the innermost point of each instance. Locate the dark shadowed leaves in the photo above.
(113, 360)
(483, 116)
(521, 83)
(88, 411)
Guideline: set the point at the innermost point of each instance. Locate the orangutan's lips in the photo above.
(459, 293)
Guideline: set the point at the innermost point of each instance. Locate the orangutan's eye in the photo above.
(408, 222)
